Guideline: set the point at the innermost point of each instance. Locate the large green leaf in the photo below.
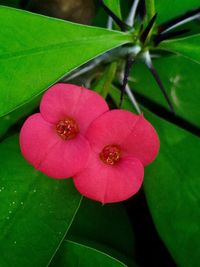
(172, 186)
(180, 78)
(73, 254)
(168, 9)
(13, 117)
(35, 211)
(188, 47)
(95, 225)
(36, 51)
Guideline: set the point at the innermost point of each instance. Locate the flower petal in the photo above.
(66, 158)
(67, 100)
(135, 135)
(112, 127)
(143, 142)
(47, 152)
(36, 138)
(107, 183)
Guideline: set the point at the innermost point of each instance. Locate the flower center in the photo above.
(67, 128)
(110, 154)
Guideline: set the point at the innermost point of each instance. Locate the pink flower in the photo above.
(122, 144)
(53, 140)
(75, 135)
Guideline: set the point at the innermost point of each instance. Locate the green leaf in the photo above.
(168, 9)
(13, 117)
(180, 78)
(187, 47)
(114, 5)
(95, 225)
(172, 187)
(36, 51)
(35, 212)
(74, 254)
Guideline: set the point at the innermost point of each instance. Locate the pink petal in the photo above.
(113, 127)
(106, 183)
(66, 158)
(67, 100)
(36, 139)
(135, 135)
(47, 152)
(143, 142)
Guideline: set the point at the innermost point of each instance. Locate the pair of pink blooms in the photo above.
(75, 135)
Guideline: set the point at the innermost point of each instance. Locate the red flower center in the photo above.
(110, 154)
(67, 128)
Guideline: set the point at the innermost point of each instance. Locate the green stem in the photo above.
(150, 9)
(103, 85)
(110, 76)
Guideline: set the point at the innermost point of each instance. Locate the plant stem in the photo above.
(146, 34)
(110, 75)
(150, 9)
(107, 57)
(196, 16)
(128, 65)
(117, 20)
(149, 64)
(132, 99)
(131, 16)
(178, 21)
(109, 23)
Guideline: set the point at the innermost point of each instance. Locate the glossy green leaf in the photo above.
(35, 211)
(172, 186)
(73, 254)
(168, 9)
(36, 51)
(180, 78)
(114, 5)
(95, 225)
(188, 47)
(13, 117)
